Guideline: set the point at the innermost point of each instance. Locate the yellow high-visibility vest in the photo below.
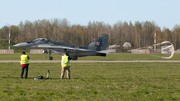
(64, 61)
(24, 59)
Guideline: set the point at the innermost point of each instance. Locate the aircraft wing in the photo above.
(62, 47)
(73, 48)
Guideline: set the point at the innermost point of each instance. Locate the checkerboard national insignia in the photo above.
(97, 43)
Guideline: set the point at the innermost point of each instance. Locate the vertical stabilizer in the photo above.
(99, 44)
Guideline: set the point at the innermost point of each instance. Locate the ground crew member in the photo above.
(65, 63)
(24, 63)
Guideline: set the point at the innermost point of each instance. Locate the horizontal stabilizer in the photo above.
(106, 51)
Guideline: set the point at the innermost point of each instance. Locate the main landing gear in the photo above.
(74, 58)
(46, 52)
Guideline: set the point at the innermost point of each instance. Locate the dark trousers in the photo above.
(22, 72)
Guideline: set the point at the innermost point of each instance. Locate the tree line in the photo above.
(139, 34)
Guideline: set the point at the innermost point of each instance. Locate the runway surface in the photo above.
(88, 61)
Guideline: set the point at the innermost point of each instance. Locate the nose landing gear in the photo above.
(50, 57)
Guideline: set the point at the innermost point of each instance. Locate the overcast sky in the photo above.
(165, 13)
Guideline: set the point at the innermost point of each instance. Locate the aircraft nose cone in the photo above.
(15, 45)
(21, 45)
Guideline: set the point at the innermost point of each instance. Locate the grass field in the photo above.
(92, 82)
(108, 57)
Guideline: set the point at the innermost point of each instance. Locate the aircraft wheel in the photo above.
(75, 58)
(50, 58)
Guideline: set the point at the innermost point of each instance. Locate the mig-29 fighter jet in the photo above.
(95, 48)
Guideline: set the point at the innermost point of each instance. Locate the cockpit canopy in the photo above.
(39, 39)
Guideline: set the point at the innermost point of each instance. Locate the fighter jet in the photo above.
(95, 48)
